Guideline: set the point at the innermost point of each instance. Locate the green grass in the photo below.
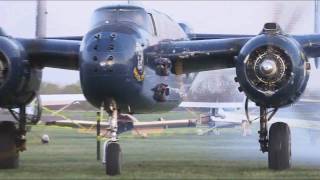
(178, 154)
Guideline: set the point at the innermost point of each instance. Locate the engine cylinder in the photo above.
(272, 70)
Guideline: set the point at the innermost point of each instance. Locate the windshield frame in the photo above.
(137, 16)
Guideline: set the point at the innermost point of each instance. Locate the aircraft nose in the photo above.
(115, 54)
(109, 53)
(114, 65)
(111, 65)
(114, 51)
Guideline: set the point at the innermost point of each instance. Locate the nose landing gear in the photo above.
(278, 145)
(112, 149)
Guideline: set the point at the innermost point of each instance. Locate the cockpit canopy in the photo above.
(122, 13)
(186, 28)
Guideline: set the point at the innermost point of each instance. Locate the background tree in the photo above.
(51, 88)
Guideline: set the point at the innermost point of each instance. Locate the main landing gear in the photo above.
(12, 140)
(112, 149)
(278, 145)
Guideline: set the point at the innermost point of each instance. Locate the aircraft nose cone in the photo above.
(109, 59)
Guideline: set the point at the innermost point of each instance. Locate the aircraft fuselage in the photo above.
(116, 63)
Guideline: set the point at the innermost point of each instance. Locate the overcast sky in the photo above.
(241, 17)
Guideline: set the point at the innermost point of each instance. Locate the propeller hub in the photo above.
(268, 67)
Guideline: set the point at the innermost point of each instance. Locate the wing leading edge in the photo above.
(199, 36)
(310, 44)
(63, 54)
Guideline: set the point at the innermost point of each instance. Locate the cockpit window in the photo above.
(110, 16)
(152, 25)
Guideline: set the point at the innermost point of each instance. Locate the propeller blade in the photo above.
(277, 12)
(294, 19)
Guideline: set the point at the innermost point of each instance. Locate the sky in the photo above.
(67, 18)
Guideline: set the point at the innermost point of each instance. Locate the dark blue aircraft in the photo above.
(138, 61)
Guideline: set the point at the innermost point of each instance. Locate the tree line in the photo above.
(51, 88)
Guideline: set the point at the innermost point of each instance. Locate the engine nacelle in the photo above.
(272, 69)
(19, 82)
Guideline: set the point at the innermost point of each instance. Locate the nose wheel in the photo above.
(279, 155)
(112, 149)
(277, 144)
(113, 158)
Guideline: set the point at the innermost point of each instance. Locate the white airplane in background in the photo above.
(222, 115)
(61, 99)
(230, 114)
(34, 109)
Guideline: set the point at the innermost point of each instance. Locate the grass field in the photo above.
(178, 154)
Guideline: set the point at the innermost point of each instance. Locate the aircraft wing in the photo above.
(75, 38)
(61, 99)
(136, 124)
(54, 53)
(233, 120)
(310, 43)
(192, 56)
(187, 104)
(198, 36)
(309, 100)
(299, 123)
(189, 56)
(199, 55)
(210, 105)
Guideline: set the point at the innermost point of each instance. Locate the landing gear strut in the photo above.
(278, 145)
(263, 132)
(21, 137)
(112, 149)
(12, 140)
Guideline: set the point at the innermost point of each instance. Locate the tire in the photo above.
(279, 156)
(113, 159)
(9, 156)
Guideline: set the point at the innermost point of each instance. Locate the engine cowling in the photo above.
(19, 82)
(272, 69)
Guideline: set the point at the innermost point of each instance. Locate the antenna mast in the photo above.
(316, 16)
(316, 26)
(41, 19)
